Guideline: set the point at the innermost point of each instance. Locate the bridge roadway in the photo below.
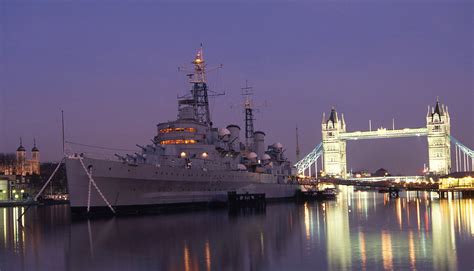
(407, 183)
(384, 133)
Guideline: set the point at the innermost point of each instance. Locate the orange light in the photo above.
(179, 129)
(178, 141)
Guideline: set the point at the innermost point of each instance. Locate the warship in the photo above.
(189, 161)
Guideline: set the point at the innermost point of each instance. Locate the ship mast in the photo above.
(198, 99)
(199, 90)
(297, 145)
(248, 92)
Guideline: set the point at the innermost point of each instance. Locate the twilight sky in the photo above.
(112, 67)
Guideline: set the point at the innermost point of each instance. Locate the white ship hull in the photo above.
(125, 185)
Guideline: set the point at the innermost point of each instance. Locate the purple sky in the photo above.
(112, 67)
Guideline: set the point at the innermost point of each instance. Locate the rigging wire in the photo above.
(99, 147)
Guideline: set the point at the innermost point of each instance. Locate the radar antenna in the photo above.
(199, 98)
(247, 92)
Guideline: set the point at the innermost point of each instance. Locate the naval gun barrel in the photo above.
(132, 157)
(141, 147)
(121, 157)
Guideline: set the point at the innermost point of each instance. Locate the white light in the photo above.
(183, 154)
(204, 155)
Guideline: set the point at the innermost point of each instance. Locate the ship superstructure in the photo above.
(188, 161)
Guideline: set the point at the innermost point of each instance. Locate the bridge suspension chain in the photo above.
(462, 147)
(462, 156)
(309, 159)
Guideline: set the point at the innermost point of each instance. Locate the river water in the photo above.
(358, 231)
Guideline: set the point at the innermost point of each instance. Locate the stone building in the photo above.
(22, 165)
(26, 166)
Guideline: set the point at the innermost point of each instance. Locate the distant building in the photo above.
(7, 164)
(457, 181)
(381, 172)
(361, 173)
(5, 187)
(21, 165)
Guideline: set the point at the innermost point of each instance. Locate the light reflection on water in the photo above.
(361, 230)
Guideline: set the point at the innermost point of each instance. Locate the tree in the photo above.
(7, 160)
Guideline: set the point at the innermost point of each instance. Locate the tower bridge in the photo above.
(333, 154)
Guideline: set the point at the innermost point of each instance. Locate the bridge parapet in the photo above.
(389, 178)
(384, 133)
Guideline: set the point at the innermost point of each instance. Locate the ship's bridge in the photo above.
(181, 132)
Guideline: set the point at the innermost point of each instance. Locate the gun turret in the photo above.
(152, 147)
(133, 158)
(140, 155)
(121, 157)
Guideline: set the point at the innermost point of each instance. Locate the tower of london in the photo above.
(22, 165)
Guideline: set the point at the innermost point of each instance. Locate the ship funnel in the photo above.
(234, 136)
(259, 143)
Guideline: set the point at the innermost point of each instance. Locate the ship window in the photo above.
(178, 129)
(178, 141)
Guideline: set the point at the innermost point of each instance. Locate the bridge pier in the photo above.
(461, 194)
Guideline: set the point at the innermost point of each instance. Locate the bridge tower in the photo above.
(439, 143)
(334, 148)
